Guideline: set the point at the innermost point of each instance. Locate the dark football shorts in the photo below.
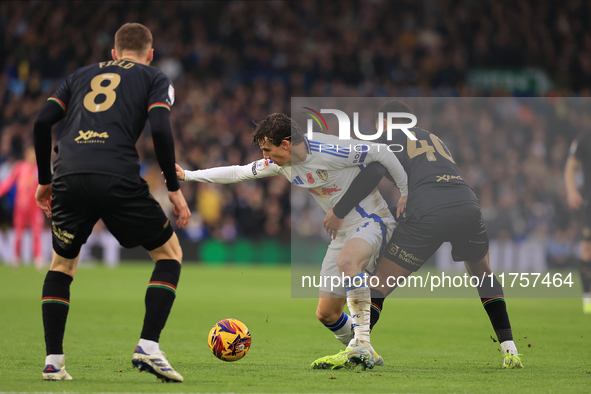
(414, 240)
(128, 209)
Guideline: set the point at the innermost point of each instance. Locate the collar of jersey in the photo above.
(308, 150)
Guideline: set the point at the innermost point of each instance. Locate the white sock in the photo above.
(57, 360)
(149, 347)
(586, 298)
(359, 303)
(341, 328)
(509, 347)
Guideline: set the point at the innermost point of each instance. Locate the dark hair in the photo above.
(276, 128)
(392, 106)
(133, 37)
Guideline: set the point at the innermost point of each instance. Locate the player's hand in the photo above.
(574, 199)
(401, 207)
(181, 209)
(180, 173)
(43, 198)
(332, 224)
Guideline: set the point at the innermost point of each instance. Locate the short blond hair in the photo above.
(133, 37)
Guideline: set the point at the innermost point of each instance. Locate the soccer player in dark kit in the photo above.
(442, 208)
(96, 176)
(580, 157)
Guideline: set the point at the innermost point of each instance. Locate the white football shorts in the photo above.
(376, 231)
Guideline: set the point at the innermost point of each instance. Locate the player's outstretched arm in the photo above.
(573, 197)
(50, 114)
(231, 174)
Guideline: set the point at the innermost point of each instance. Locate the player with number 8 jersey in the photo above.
(96, 176)
(100, 136)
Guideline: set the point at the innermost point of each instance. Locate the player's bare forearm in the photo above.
(570, 170)
(573, 197)
(181, 209)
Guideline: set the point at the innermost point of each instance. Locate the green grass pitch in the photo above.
(429, 345)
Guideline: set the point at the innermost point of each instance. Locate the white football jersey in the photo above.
(327, 172)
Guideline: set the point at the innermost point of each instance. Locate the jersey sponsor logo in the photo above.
(323, 174)
(310, 178)
(62, 235)
(405, 256)
(394, 249)
(88, 137)
(254, 168)
(324, 192)
(447, 178)
(170, 95)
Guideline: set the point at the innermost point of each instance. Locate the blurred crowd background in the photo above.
(234, 62)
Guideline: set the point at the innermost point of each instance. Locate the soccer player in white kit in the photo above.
(326, 166)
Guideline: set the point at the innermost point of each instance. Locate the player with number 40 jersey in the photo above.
(441, 208)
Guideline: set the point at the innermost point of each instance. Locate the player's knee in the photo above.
(171, 250)
(65, 265)
(479, 268)
(327, 316)
(346, 265)
(174, 253)
(178, 254)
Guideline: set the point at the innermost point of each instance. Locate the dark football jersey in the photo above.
(106, 106)
(581, 149)
(434, 181)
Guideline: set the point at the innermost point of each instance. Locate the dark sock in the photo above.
(493, 301)
(377, 302)
(160, 297)
(585, 269)
(55, 304)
